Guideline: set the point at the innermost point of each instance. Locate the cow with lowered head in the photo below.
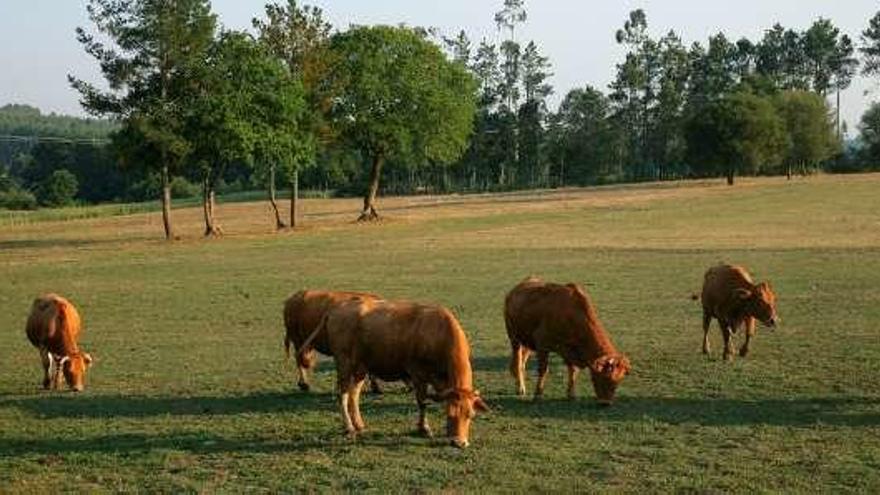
(730, 296)
(54, 327)
(544, 317)
(399, 340)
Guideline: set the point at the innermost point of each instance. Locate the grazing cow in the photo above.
(546, 317)
(53, 327)
(397, 340)
(303, 312)
(730, 296)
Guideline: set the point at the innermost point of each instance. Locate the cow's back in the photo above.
(304, 310)
(54, 323)
(394, 339)
(720, 284)
(537, 314)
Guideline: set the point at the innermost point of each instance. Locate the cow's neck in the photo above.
(459, 372)
(599, 344)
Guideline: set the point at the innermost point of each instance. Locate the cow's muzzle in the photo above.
(460, 443)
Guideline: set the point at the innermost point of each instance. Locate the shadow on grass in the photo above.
(803, 412)
(206, 443)
(69, 405)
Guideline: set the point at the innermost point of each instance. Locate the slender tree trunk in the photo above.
(369, 212)
(788, 172)
(212, 229)
(839, 136)
(294, 198)
(279, 224)
(730, 175)
(166, 202)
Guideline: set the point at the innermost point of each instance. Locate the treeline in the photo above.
(196, 110)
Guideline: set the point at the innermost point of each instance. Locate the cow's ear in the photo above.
(743, 293)
(603, 364)
(88, 359)
(479, 405)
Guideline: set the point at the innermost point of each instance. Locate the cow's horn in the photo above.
(63, 360)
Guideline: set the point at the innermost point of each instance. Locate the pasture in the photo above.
(190, 391)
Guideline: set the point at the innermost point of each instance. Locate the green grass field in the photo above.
(191, 393)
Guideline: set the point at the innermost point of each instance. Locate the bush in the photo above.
(182, 188)
(59, 188)
(17, 199)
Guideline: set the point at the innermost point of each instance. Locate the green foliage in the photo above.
(58, 189)
(870, 129)
(871, 47)
(15, 198)
(811, 138)
(740, 133)
(398, 95)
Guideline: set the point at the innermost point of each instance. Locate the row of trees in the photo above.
(295, 102)
(194, 101)
(763, 103)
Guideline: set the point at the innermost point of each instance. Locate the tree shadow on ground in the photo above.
(801, 412)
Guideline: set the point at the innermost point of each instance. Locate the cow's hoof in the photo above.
(303, 386)
(728, 357)
(425, 431)
(538, 397)
(46, 384)
(744, 352)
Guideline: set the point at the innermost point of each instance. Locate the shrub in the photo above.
(59, 188)
(17, 199)
(182, 188)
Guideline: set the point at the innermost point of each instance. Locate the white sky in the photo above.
(38, 46)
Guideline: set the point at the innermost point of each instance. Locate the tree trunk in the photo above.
(788, 172)
(730, 177)
(839, 136)
(166, 203)
(294, 198)
(279, 224)
(369, 212)
(212, 229)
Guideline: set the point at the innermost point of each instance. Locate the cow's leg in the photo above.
(303, 364)
(518, 356)
(707, 319)
(344, 384)
(375, 388)
(728, 347)
(543, 368)
(572, 375)
(750, 334)
(47, 380)
(421, 390)
(354, 406)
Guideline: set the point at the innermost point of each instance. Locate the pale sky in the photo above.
(38, 47)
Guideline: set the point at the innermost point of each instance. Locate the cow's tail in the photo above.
(287, 347)
(302, 354)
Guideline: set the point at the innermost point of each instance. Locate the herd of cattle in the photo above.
(425, 345)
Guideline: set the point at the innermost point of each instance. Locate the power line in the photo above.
(14, 138)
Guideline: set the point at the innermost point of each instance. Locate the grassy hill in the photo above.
(190, 391)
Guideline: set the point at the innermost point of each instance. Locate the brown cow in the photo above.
(53, 327)
(730, 296)
(423, 344)
(303, 312)
(546, 317)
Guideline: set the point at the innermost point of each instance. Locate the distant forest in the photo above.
(477, 118)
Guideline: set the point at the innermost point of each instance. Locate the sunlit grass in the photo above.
(190, 391)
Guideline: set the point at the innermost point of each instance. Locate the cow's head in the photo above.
(461, 407)
(607, 372)
(761, 303)
(73, 367)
